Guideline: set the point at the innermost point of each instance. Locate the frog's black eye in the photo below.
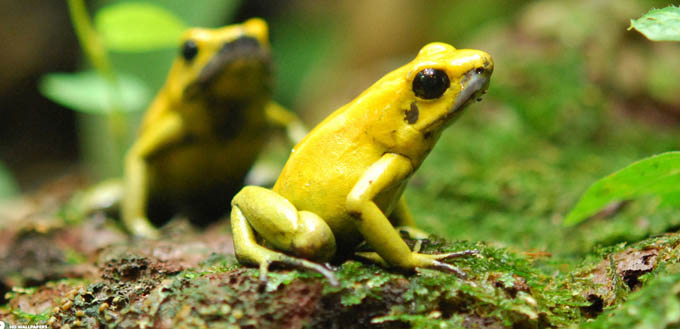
(430, 83)
(189, 50)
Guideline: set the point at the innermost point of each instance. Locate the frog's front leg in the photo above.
(136, 198)
(165, 132)
(280, 116)
(384, 174)
(279, 223)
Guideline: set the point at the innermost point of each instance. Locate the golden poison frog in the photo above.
(205, 128)
(343, 183)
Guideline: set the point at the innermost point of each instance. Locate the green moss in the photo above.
(219, 263)
(28, 318)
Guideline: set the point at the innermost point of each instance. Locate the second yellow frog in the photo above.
(204, 129)
(343, 183)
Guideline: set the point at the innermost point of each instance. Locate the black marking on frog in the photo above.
(411, 115)
(356, 215)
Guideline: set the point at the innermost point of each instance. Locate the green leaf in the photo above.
(658, 175)
(659, 24)
(89, 92)
(138, 27)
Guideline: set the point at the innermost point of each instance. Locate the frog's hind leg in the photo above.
(136, 198)
(277, 221)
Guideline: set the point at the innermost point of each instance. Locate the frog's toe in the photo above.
(299, 263)
(438, 264)
(264, 270)
(413, 233)
(142, 228)
(372, 257)
(457, 254)
(446, 267)
(311, 266)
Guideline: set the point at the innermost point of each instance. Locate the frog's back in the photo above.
(324, 167)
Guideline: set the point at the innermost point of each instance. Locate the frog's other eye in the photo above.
(430, 83)
(189, 50)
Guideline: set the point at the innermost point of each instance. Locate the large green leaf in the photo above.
(658, 175)
(659, 24)
(89, 92)
(138, 27)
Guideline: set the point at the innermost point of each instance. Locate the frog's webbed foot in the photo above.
(433, 261)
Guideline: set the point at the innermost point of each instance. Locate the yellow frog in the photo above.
(205, 128)
(343, 183)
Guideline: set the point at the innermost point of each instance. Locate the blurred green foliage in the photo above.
(295, 55)
(657, 175)
(119, 26)
(88, 91)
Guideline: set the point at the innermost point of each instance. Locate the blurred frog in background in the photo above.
(204, 130)
(343, 183)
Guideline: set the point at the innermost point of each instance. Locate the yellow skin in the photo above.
(205, 128)
(343, 183)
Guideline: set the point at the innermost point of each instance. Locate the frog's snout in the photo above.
(242, 48)
(473, 84)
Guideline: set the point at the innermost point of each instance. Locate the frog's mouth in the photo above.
(241, 50)
(241, 67)
(473, 85)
